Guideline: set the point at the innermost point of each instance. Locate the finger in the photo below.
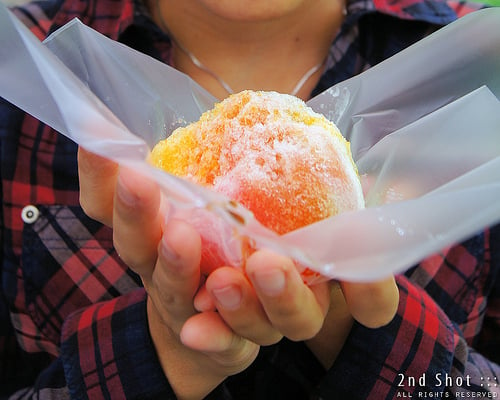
(97, 184)
(137, 222)
(372, 304)
(329, 341)
(295, 309)
(220, 337)
(176, 276)
(207, 332)
(237, 303)
(203, 301)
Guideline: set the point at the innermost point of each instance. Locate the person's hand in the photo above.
(167, 257)
(214, 330)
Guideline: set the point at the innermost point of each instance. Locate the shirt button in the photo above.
(30, 214)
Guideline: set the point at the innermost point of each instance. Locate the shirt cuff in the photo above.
(389, 362)
(107, 352)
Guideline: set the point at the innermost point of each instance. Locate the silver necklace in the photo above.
(302, 81)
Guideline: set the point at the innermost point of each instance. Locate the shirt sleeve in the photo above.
(107, 352)
(488, 340)
(420, 354)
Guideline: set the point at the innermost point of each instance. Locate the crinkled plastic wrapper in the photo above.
(424, 128)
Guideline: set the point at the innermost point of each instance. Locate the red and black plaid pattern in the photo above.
(418, 341)
(56, 263)
(68, 263)
(407, 9)
(459, 279)
(73, 320)
(106, 358)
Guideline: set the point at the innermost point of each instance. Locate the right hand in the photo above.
(167, 258)
(196, 350)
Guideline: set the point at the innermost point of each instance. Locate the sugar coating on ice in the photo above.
(272, 153)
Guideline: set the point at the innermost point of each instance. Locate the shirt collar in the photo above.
(438, 12)
(110, 18)
(124, 13)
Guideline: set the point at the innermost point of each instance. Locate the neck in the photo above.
(255, 53)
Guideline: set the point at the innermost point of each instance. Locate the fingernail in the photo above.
(229, 297)
(271, 282)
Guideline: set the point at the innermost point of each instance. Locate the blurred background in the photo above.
(12, 2)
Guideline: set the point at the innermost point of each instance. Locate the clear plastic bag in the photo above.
(424, 130)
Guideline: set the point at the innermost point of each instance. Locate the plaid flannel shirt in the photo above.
(73, 318)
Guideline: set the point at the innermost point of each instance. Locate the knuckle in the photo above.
(298, 332)
(169, 300)
(135, 260)
(91, 208)
(377, 320)
(297, 322)
(263, 335)
(268, 339)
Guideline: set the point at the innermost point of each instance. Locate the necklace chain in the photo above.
(302, 81)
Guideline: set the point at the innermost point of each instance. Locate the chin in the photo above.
(251, 10)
